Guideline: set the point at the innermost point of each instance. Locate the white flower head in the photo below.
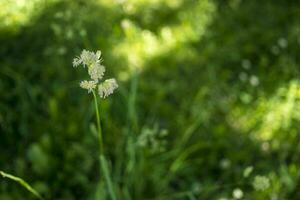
(88, 85)
(107, 87)
(237, 193)
(261, 183)
(96, 71)
(87, 58)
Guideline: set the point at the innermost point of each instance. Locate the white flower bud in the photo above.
(87, 58)
(96, 71)
(107, 87)
(261, 183)
(88, 85)
(237, 193)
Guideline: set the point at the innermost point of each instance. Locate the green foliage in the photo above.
(221, 77)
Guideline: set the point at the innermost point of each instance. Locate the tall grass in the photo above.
(102, 159)
(96, 71)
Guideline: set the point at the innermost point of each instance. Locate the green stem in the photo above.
(108, 180)
(103, 161)
(100, 138)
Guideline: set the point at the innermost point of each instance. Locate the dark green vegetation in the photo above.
(221, 77)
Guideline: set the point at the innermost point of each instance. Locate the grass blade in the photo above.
(22, 183)
(105, 170)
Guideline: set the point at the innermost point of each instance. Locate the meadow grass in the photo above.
(22, 183)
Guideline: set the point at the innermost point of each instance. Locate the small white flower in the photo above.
(88, 85)
(87, 58)
(96, 71)
(261, 183)
(237, 193)
(107, 87)
(154, 140)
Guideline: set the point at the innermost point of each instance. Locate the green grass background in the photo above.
(220, 76)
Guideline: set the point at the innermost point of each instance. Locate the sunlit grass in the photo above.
(141, 45)
(269, 114)
(16, 13)
(178, 66)
(133, 6)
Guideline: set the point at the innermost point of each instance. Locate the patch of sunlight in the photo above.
(15, 13)
(133, 6)
(270, 115)
(140, 45)
(281, 111)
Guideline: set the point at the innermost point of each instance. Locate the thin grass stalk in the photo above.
(103, 161)
(22, 183)
(105, 170)
(100, 137)
(130, 133)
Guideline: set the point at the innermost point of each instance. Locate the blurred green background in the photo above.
(213, 83)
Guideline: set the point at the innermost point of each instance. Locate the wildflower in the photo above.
(237, 193)
(87, 58)
(96, 72)
(107, 87)
(88, 85)
(261, 183)
(153, 138)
